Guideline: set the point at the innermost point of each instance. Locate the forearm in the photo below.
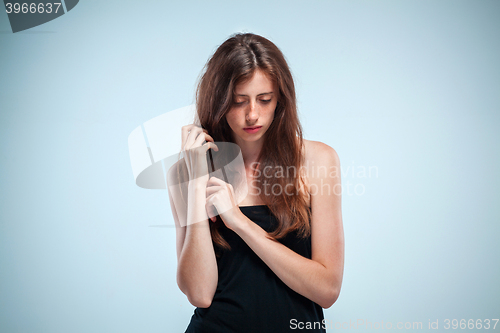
(307, 277)
(197, 266)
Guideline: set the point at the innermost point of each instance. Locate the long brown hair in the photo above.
(234, 62)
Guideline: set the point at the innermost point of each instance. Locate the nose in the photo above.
(252, 114)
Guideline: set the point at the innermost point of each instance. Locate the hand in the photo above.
(193, 138)
(220, 201)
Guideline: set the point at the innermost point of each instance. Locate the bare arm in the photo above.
(320, 277)
(196, 263)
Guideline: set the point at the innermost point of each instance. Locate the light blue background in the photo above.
(409, 87)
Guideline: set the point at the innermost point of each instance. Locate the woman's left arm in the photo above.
(320, 277)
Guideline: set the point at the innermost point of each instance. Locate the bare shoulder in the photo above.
(320, 154)
(321, 167)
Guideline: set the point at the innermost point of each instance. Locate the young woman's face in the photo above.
(253, 108)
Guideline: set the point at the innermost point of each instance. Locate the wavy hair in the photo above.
(235, 61)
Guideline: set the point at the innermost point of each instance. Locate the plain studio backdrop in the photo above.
(407, 93)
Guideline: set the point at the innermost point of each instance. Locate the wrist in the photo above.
(196, 200)
(239, 221)
(198, 184)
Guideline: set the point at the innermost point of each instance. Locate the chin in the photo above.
(251, 138)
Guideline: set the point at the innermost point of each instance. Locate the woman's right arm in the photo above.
(196, 263)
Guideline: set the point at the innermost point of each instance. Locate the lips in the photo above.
(253, 129)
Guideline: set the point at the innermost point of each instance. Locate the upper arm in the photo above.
(177, 204)
(327, 235)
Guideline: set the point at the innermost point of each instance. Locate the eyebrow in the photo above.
(266, 93)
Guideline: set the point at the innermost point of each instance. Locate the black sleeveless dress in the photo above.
(249, 296)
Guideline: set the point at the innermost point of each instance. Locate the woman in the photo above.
(271, 263)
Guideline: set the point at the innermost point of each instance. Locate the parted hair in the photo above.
(235, 61)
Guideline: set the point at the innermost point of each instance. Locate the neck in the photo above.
(250, 150)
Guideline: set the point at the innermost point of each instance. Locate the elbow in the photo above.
(199, 301)
(198, 297)
(330, 291)
(329, 298)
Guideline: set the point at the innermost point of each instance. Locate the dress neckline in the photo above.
(254, 206)
(263, 206)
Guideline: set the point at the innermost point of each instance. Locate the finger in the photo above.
(214, 181)
(191, 138)
(210, 208)
(185, 132)
(212, 189)
(208, 138)
(200, 139)
(231, 191)
(214, 212)
(211, 145)
(210, 198)
(214, 216)
(209, 211)
(190, 134)
(208, 135)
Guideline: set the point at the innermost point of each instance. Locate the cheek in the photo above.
(271, 112)
(232, 119)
